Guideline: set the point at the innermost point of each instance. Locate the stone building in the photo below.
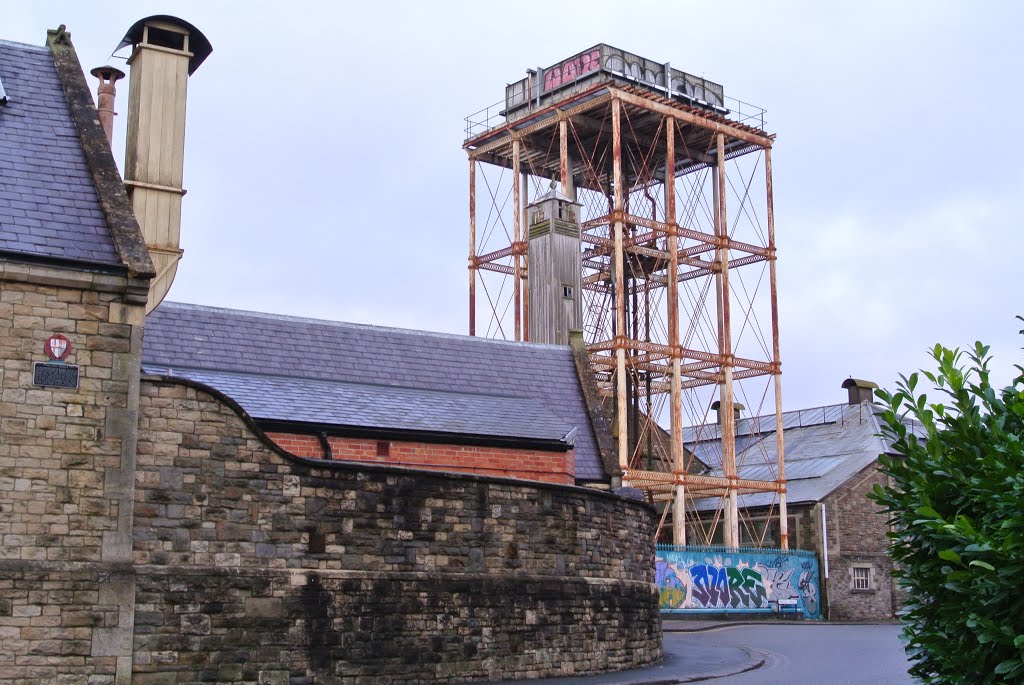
(831, 464)
(152, 530)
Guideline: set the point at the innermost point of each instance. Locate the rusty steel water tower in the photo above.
(669, 184)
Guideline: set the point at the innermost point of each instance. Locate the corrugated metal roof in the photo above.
(756, 425)
(48, 202)
(824, 447)
(385, 363)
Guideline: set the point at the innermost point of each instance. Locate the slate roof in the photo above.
(824, 448)
(282, 368)
(366, 405)
(48, 203)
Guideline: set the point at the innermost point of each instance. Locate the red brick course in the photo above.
(540, 465)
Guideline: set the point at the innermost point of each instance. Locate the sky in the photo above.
(326, 176)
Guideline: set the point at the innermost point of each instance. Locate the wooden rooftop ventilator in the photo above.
(165, 52)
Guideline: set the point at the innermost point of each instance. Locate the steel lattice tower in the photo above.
(674, 184)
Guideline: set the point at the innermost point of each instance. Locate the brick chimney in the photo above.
(165, 52)
(860, 390)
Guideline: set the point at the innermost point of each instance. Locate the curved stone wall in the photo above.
(254, 565)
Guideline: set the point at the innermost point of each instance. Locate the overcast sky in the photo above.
(326, 175)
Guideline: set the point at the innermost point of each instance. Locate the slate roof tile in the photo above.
(364, 405)
(45, 183)
(492, 385)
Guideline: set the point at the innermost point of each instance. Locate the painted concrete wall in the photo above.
(716, 579)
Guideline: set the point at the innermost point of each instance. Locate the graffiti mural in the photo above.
(571, 69)
(745, 580)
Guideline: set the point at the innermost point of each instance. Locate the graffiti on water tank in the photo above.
(696, 579)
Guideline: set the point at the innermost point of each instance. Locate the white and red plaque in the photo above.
(58, 347)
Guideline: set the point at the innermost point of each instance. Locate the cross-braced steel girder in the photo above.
(673, 216)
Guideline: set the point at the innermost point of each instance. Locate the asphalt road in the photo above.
(769, 654)
(813, 654)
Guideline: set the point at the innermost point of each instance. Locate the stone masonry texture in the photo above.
(857, 537)
(256, 567)
(153, 535)
(66, 473)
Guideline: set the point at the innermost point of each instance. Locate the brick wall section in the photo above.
(66, 597)
(542, 465)
(857, 536)
(254, 567)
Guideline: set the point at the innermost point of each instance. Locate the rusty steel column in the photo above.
(524, 268)
(726, 404)
(676, 393)
(618, 264)
(563, 155)
(779, 446)
(516, 234)
(472, 246)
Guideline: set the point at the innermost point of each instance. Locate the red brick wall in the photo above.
(551, 467)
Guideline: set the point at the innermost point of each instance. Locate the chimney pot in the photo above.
(105, 96)
(716, 407)
(860, 391)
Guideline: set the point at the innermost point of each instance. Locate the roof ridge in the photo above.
(185, 306)
(121, 224)
(30, 46)
(771, 417)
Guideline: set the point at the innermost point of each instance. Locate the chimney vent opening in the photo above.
(191, 39)
(166, 39)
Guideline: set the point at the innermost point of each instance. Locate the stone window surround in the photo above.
(857, 581)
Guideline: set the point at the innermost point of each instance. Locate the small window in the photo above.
(383, 448)
(861, 578)
(567, 292)
(3, 94)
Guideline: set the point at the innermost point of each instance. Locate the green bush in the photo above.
(956, 504)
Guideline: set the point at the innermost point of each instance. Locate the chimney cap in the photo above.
(115, 74)
(552, 193)
(736, 406)
(198, 44)
(858, 383)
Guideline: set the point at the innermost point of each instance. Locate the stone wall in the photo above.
(857, 538)
(544, 465)
(178, 544)
(66, 476)
(254, 566)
